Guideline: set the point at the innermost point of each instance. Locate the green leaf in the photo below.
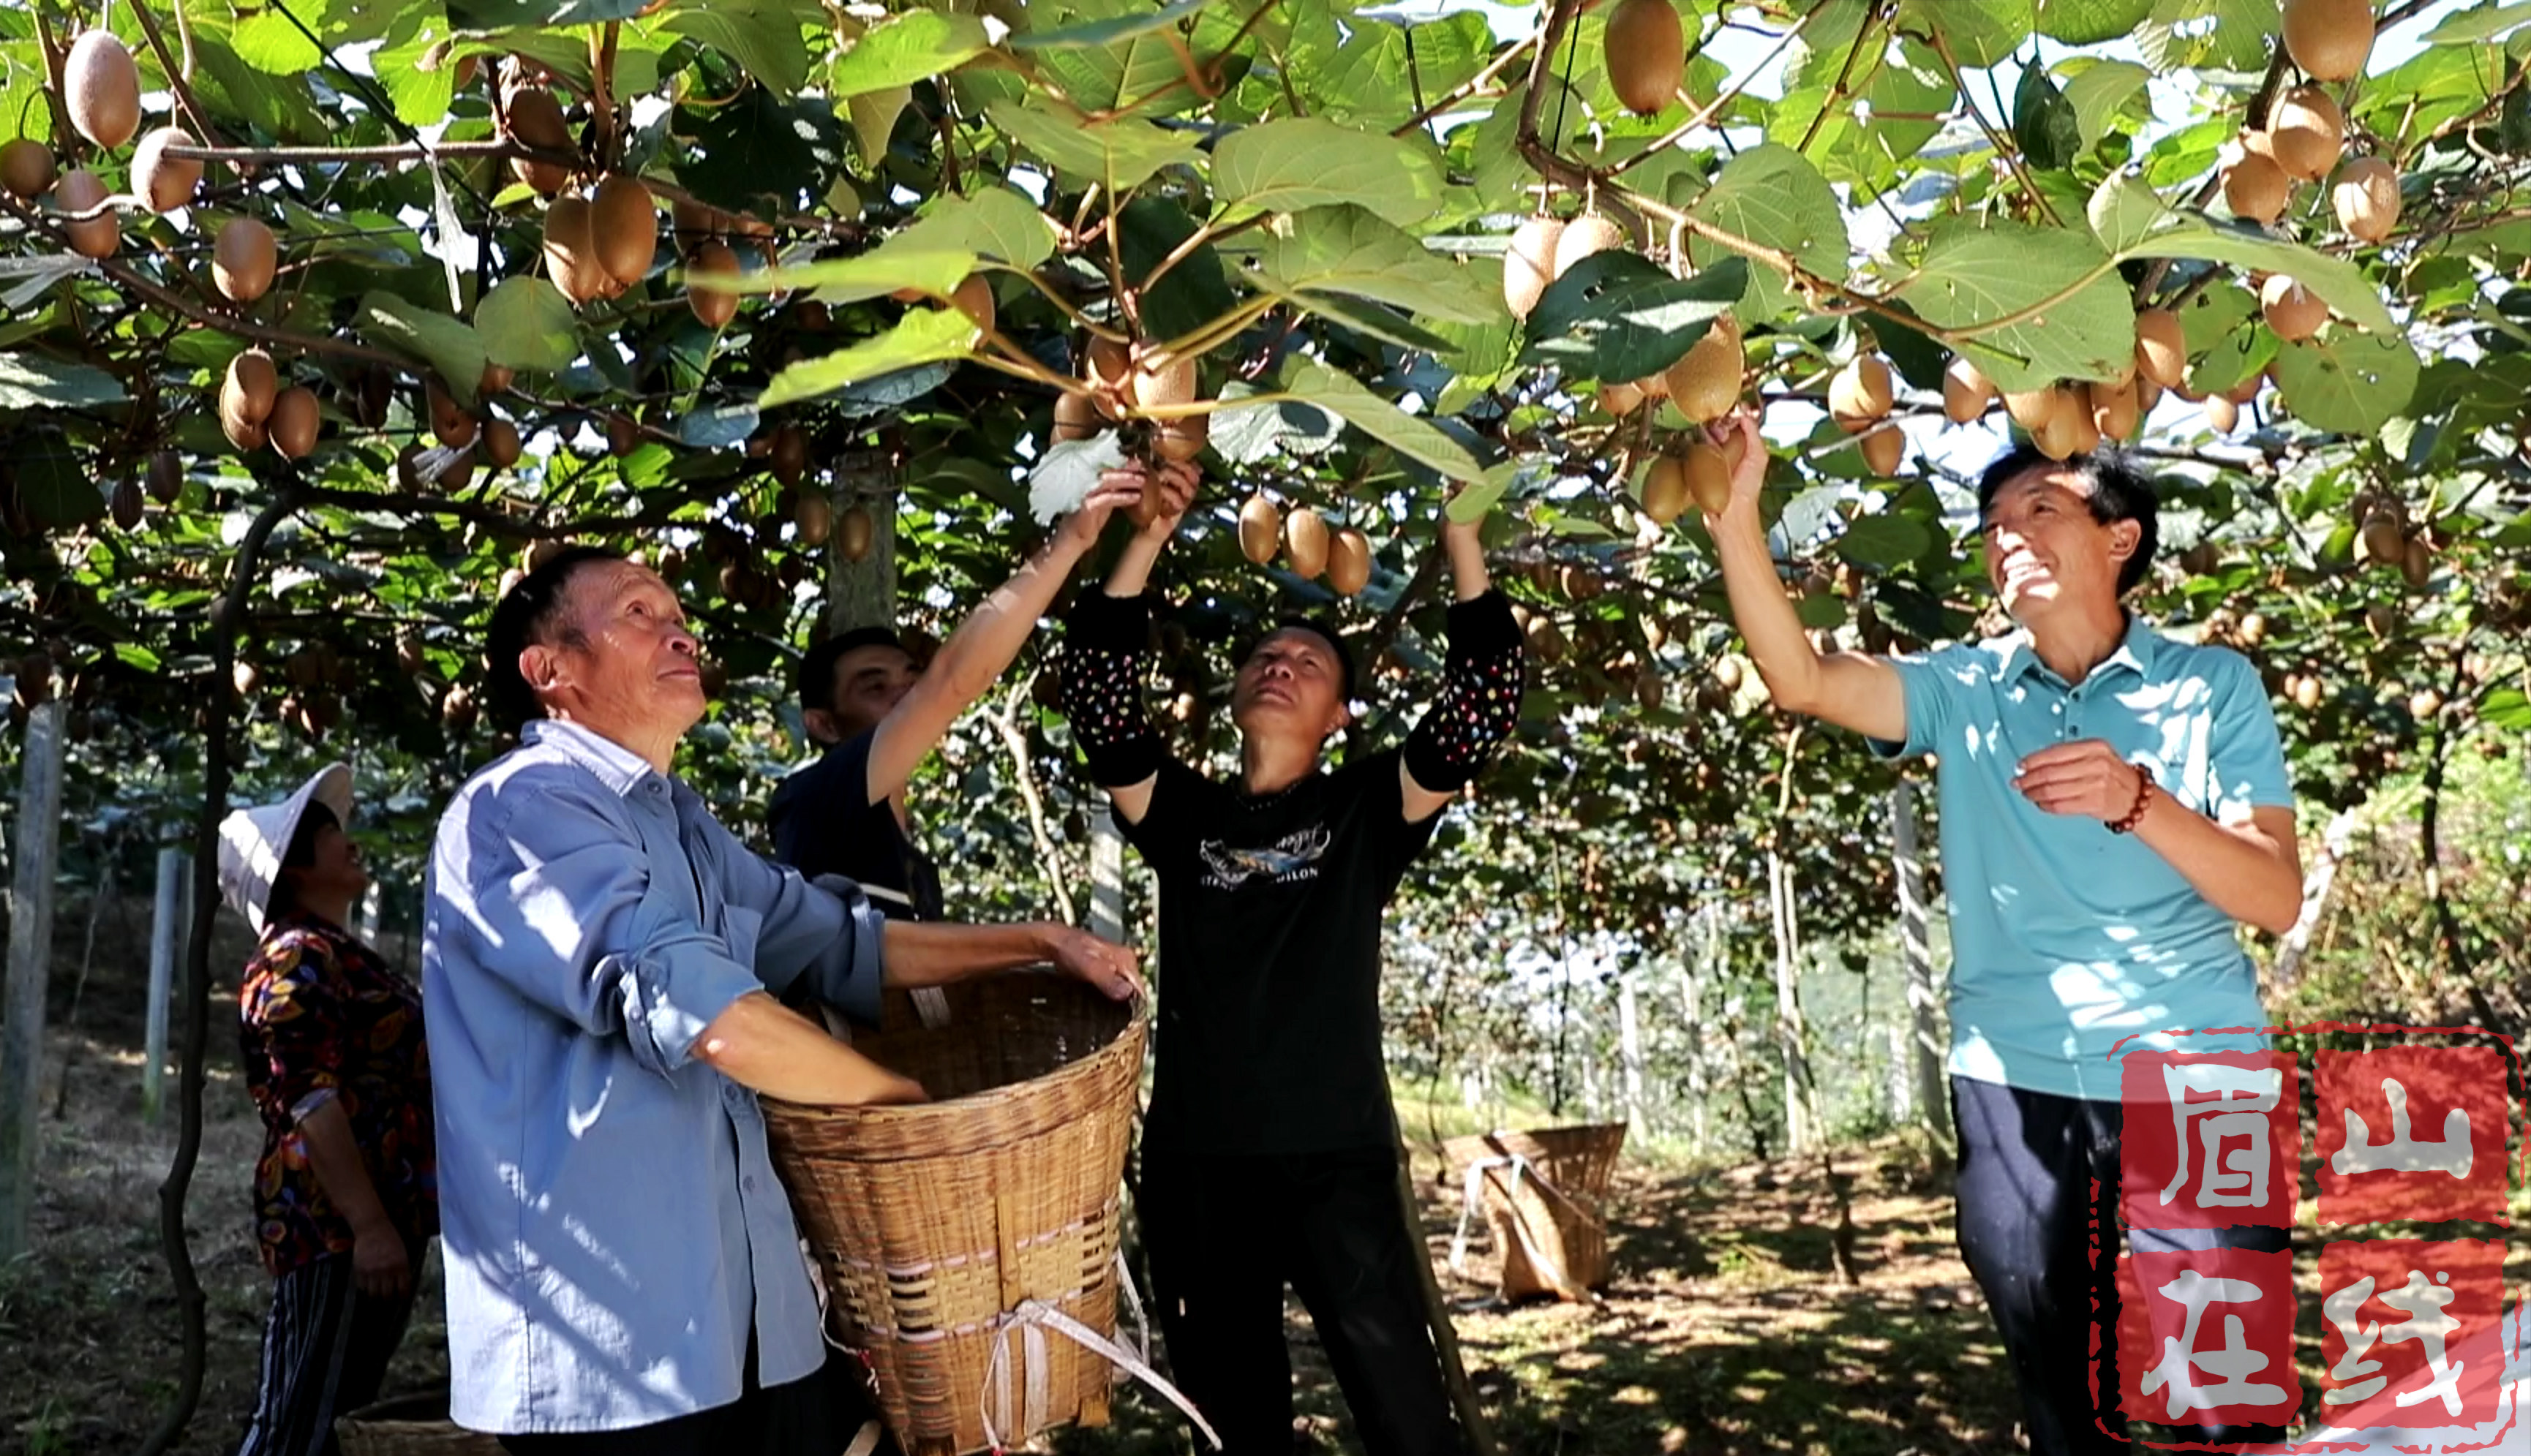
(1194, 291)
(1349, 399)
(914, 46)
(435, 339)
(268, 41)
(525, 323)
(994, 222)
(2337, 281)
(55, 487)
(420, 97)
(1380, 322)
(1979, 32)
(1618, 316)
(2125, 209)
(2091, 21)
(1286, 166)
(2349, 382)
(1349, 251)
(873, 117)
(1249, 434)
(1470, 504)
(2487, 20)
(2070, 310)
(923, 336)
(884, 269)
(763, 39)
(134, 654)
(1108, 30)
(2042, 122)
(1121, 154)
(1771, 194)
(30, 381)
(2097, 95)
(2224, 35)
(1884, 540)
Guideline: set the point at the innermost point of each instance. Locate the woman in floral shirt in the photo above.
(345, 1197)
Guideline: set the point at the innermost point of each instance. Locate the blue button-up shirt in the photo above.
(612, 1227)
(2065, 937)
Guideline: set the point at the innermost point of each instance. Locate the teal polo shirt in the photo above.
(2066, 938)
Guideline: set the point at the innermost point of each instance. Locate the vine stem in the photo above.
(180, 75)
(2011, 156)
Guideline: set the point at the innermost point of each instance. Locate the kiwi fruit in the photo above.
(2075, 407)
(624, 225)
(249, 388)
(2306, 692)
(248, 435)
(2366, 198)
(1706, 381)
(1155, 382)
(714, 308)
(2424, 703)
(1305, 542)
(164, 182)
(1884, 448)
(243, 257)
(2328, 39)
(1708, 476)
(571, 250)
(165, 476)
(2114, 412)
(1665, 496)
(2059, 432)
(2162, 349)
(2306, 132)
(973, 297)
(103, 89)
(1076, 418)
(814, 515)
(533, 118)
(1647, 54)
(450, 423)
(623, 435)
(79, 191)
(2223, 414)
(1584, 236)
(788, 459)
(1260, 526)
(1349, 562)
(1860, 393)
(125, 503)
(1966, 391)
(1182, 439)
(1620, 399)
(1529, 263)
(2291, 310)
(2255, 186)
(26, 168)
(854, 533)
(500, 444)
(695, 223)
(292, 424)
(2417, 562)
(1654, 387)
(1106, 363)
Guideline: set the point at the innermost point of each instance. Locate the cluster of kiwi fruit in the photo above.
(2384, 537)
(1125, 378)
(2073, 417)
(1310, 548)
(2305, 136)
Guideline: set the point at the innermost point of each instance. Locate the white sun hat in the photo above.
(253, 840)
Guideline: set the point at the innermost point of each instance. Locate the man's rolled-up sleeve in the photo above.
(554, 900)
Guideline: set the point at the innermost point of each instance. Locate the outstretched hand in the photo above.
(1116, 490)
(1165, 493)
(1738, 432)
(1103, 964)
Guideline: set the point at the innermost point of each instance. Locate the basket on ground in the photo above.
(979, 1222)
(410, 1426)
(1542, 1193)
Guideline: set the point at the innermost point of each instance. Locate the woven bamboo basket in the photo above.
(410, 1426)
(933, 1223)
(1543, 1193)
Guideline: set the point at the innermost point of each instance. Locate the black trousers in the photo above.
(325, 1351)
(807, 1417)
(1226, 1234)
(2028, 1197)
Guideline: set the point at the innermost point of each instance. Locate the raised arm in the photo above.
(1848, 688)
(984, 646)
(1481, 683)
(1103, 664)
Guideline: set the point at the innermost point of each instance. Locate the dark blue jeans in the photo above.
(2036, 1171)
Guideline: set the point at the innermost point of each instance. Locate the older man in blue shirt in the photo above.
(2113, 801)
(602, 962)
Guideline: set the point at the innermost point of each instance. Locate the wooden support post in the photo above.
(1933, 1101)
(30, 961)
(863, 594)
(1106, 874)
(1436, 1314)
(167, 917)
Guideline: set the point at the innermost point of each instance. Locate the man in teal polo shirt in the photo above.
(2113, 802)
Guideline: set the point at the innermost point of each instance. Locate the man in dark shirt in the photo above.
(1269, 1154)
(878, 714)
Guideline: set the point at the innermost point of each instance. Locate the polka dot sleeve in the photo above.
(1480, 700)
(1102, 688)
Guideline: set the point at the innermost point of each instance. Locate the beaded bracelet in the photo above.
(2143, 798)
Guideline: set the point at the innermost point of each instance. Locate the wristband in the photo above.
(2143, 799)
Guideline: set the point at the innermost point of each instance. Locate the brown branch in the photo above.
(179, 79)
(1863, 33)
(1469, 87)
(2011, 155)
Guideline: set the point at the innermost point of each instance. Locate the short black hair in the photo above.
(524, 617)
(301, 854)
(1318, 627)
(817, 678)
(2116, 489)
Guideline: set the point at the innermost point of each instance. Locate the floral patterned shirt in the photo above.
(320, 1015)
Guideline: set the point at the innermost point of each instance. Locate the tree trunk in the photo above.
(1792, 1033)
(166, 948)
(1926, 1042)
(1630, 1047)
(863, 594)
(31, 962)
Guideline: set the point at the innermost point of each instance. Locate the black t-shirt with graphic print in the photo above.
(1271, 907)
